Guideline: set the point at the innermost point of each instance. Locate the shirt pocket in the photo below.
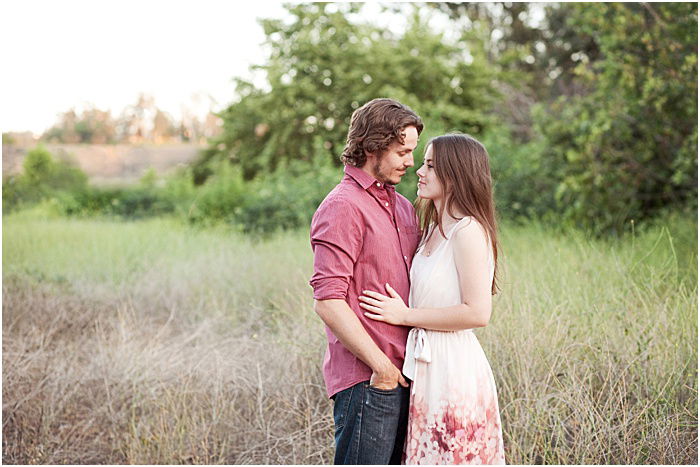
(410, 236)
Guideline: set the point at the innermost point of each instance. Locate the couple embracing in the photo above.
(400, 291)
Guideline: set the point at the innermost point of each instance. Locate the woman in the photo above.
(454, 416)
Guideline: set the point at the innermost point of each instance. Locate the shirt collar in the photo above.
(364, 179)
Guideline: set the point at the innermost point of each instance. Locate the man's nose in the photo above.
(409, 161)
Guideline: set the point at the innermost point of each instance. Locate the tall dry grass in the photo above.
(151, 342)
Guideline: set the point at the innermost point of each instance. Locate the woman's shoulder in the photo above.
(469, 230)
(468, 224)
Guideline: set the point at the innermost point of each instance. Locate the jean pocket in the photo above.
(384, 391)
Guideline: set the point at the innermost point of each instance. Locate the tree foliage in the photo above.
(92, 125)
(628, 148)
(588, 111)
(42, 176)
(323, 66)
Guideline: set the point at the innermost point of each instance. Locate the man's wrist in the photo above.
(382, 367)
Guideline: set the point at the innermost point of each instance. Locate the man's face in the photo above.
(392, 165)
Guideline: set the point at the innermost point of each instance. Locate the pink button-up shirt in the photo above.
(363, 235)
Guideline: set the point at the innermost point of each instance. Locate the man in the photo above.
(364, 235)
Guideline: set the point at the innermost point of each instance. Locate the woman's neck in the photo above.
(446, 219)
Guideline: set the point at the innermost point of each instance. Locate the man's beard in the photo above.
(380, 176)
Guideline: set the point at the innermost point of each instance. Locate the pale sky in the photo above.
(65, 54)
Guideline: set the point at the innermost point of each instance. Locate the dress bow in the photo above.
(417, 349)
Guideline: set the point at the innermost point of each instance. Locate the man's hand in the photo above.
(387, 379)
(343, 322)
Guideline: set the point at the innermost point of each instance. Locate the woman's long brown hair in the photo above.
(461, 164)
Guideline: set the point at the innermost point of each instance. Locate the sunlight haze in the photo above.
(76, 53)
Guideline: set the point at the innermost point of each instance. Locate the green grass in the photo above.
(153, 342)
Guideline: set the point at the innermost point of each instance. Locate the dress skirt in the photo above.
(454, 417)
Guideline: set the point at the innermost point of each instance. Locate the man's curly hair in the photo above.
(374, 126)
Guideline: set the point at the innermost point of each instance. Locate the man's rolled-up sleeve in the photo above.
(336, 239)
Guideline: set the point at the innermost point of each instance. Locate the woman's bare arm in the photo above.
(471, 253)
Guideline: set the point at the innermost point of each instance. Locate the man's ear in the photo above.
(370, 155)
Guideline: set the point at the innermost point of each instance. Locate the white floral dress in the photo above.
(454, 416)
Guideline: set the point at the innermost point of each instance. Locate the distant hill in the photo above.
(107, 163)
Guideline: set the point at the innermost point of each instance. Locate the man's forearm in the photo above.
(346, 326)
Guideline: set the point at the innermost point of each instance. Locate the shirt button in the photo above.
(398, 228)
(404, 257)
(379, 184)
(386, 204)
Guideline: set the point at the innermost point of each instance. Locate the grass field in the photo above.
(152, 342)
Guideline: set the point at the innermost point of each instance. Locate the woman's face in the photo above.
(429, 187)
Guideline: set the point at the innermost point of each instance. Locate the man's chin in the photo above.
(396, 180)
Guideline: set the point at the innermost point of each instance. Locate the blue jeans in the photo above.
(370, 424)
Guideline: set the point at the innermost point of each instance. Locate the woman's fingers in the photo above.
(371, 301)
(371, 308)
(375, 317)
(391, 291)
(376, 295)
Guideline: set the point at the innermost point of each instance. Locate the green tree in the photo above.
(42, 176)
(628, 148)
(323, 66)
(534, 48)
(91, 126)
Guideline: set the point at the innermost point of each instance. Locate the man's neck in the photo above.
(368, 170)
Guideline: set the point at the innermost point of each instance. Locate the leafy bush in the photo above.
(128, 203)
(628, 149)
(523, 181)
(219, 199)
(143, 200)
(287, 198)
(42, 177)
(284, 199)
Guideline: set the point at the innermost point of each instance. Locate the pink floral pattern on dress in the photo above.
(456, 432)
